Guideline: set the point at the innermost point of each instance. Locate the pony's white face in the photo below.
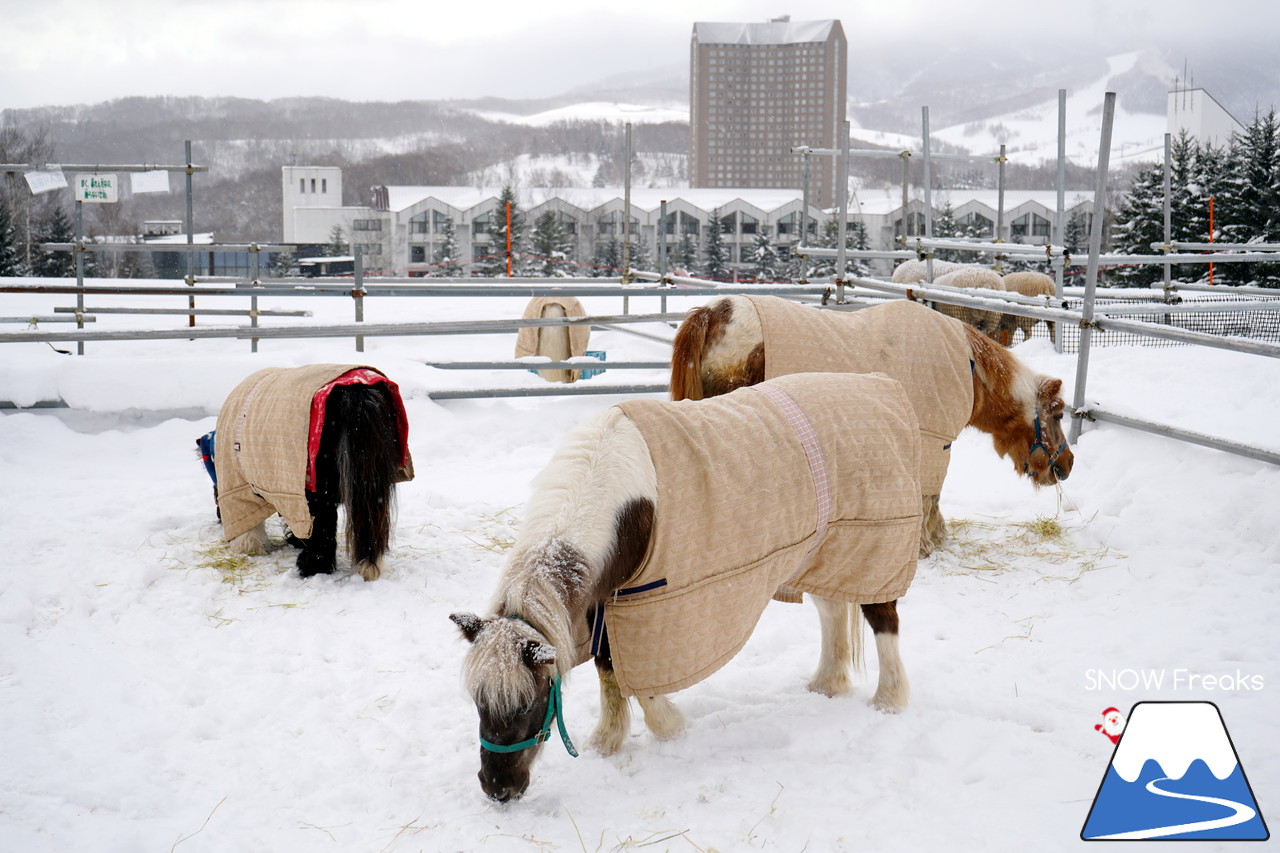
(508, 673)
(1038, 447)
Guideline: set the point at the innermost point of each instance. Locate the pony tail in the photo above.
(368, 460)
(686, 355)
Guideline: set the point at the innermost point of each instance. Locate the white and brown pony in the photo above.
(586, 532)
(722, 346)
(303, 441)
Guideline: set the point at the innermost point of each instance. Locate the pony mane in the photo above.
(568, 531)
(1003, 388)
(718, 336)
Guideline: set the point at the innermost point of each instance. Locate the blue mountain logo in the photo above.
(1175, 774)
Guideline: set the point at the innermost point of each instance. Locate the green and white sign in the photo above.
(97, 189)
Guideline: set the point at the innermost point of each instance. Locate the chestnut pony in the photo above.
(721, 347)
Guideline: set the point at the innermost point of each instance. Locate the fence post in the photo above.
(254, 283)
(358, 292)
(79, 256)
(928, 195)
(662, 253)
(191, 239)
(1095, 249)
(1060, 239)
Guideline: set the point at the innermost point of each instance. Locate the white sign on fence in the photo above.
(43, 181)
(97, 189)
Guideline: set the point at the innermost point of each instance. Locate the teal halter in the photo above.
(555, 710)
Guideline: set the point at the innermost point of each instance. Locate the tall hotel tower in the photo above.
(757, 90)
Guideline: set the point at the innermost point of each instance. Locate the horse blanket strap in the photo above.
(817, 469)
(597, 618)
(832, 509)
(927, 352)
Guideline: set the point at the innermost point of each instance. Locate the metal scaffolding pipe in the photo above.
(346, 330)
(1227, 289)
(1096, 414)
(163, 247)
(1095, 249)
(955, 296)
(699, 288)
(1217, 247)
(593, 364)
(222, 312)
(555, 390)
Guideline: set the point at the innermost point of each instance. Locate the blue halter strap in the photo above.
(555, 711)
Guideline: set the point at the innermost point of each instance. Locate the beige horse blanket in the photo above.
(808, 481)
(264, 445)
(924, 350)
(527, 338)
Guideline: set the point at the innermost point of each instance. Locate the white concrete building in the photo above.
(401, 230)
(1204, 119)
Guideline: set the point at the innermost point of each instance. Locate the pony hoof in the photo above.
(254, 543)
(309, 565)
(370, 570)
(886, 706)
(830, 687)
(606, 743)
(662, 717)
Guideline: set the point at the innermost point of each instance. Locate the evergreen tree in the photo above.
(1075, 239)
(855, 237)
(10, 260)
(53, 227)
(946, 225)
(285, 265)
(686, 255)
(552, 247)
(715, 252)
(1253, 210)
(1139, 223)
(497, 264)
(446, 256)
(764, 257)
(642, 255)
(608, 259)
(338, 246)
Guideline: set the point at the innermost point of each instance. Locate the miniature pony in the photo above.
(300, 441)
(954, 375)
(605, 556)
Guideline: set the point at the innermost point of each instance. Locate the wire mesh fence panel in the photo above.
(1262, 324)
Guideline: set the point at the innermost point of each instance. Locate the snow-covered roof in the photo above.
(772, 32)
(590, 198)
(881, 202)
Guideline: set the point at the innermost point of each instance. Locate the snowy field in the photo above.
(157, 695)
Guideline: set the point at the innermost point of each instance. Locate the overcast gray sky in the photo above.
(86, 51)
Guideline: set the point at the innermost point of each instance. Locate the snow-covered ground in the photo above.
(156, 695)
